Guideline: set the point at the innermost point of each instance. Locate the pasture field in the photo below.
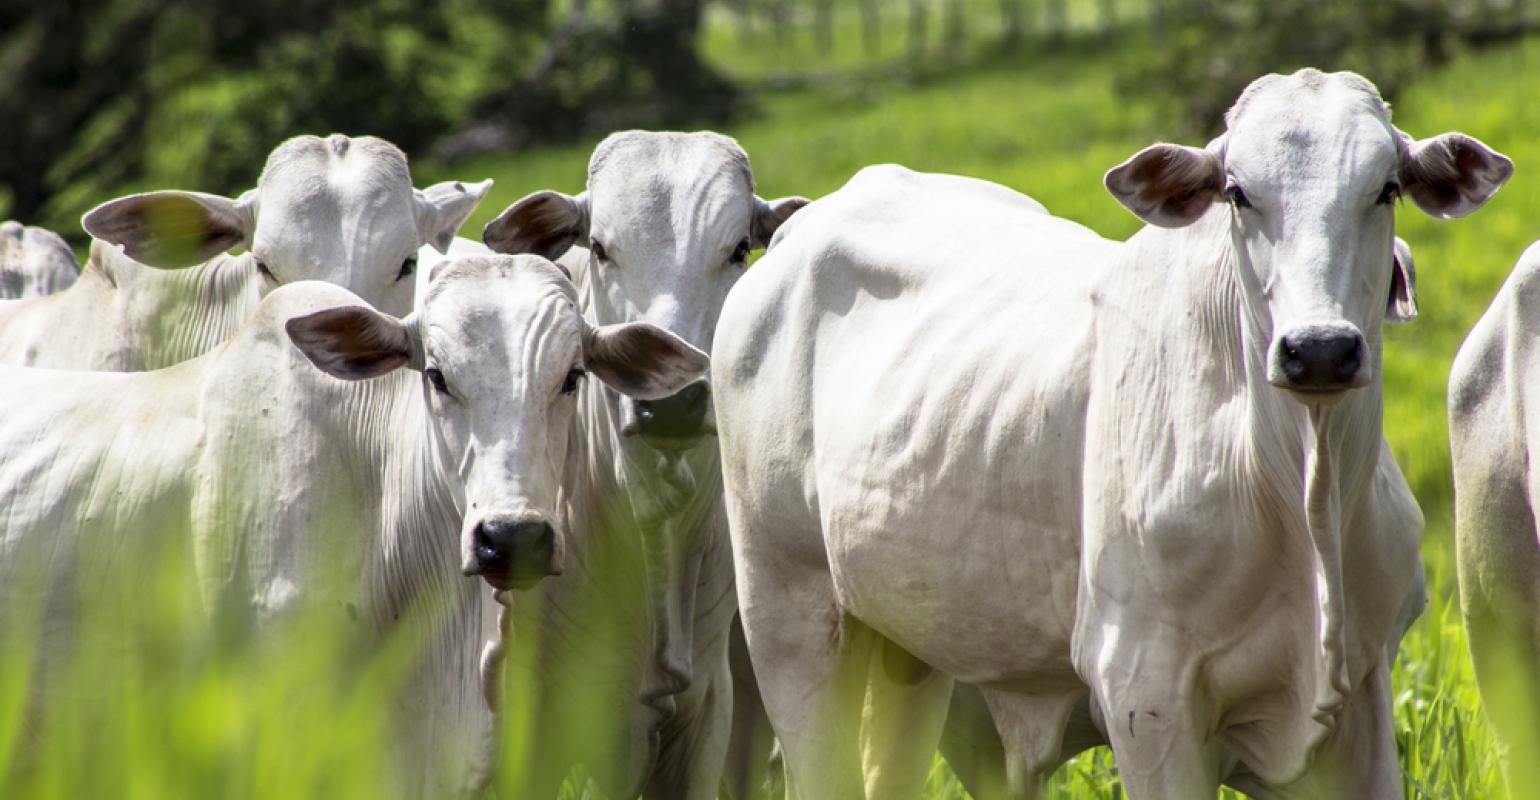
(185, 717)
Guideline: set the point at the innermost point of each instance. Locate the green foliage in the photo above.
(1208, 50)
(157, 93)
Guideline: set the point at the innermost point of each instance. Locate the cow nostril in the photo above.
(1348, 368)
(1321, 358)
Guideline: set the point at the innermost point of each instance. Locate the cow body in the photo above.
(1493, 433)
(964, 440)
(34, 261)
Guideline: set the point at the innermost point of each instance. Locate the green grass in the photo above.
(183, 717)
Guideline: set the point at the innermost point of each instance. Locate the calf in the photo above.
(662, 233)
(422, 448)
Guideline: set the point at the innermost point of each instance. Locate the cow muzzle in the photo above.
(1319, 361)
(513, 552)
(676, 422)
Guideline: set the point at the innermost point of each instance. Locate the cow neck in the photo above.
(417, 549)
(610, 488)
(1330, 456)
(205, 306)
(414, 563)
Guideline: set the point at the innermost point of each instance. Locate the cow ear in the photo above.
(356, 342)
(173, 229)
(1168, 185)
(769, 216)
(443, 207)
(545, 223)
(1402, 304)
(1452, 175)
(641, 360)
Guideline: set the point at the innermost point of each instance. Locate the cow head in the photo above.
(502, 350)
(1311, 169)
(340, 210)
(667, 224)
(34, 261)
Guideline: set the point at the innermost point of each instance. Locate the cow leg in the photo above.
(971, 745)
(751, 742)
(1505, 657)
(1031, 734)
(811, 660)
(1359, 758)
(694, 746)
(1156, 736)
(906, 702)
(1499, 570)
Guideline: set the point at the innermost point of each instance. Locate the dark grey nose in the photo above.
(681, 415)
(1323, 358)
(514, 552)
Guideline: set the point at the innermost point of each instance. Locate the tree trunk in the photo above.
(1012, 20)
(917, 25)
(1056, 18)
(871, 27)
(956, 29)
(823, 23)
(685, 14)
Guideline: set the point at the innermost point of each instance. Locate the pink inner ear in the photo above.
(1402, 305)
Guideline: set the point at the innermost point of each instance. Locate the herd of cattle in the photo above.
(963, 474)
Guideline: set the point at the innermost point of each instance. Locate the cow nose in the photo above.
(678, 418)
(515, 553)
(1321, 358)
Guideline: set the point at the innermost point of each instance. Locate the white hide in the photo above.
(295, 490)
(338, 209)
(964, 441)
(1494, 435)
(34, 261)
(636, 627)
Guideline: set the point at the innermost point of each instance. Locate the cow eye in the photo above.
(598, 250)
(265, 272)
(574, 377)
(741, 252)
(1237, 196)
(1389, 194)
(408, 268)
(436, 378)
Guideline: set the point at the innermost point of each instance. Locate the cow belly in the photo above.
(984, 597)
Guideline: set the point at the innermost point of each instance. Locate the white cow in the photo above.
(1493, 431)
(1136, 492)
(359, 488)
(34, 261)
(635, 687)
(338, 209)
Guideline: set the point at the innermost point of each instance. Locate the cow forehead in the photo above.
(680, 182)
(312, 186)
(1333, 126)
(496, 302)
